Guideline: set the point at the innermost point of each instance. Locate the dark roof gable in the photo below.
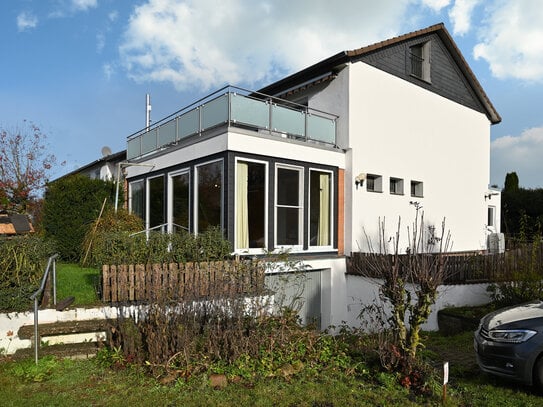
(473, 94)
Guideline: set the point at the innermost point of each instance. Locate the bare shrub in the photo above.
(408, 285)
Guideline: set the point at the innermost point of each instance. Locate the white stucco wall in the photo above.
(243, 142)
(394, 128)
(398, 129)
(12, 322)
(363, 291)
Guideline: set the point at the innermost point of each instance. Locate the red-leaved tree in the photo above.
(24, 166)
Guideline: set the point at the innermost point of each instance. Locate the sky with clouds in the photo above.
(80, 69)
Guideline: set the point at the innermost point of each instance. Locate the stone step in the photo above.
(81, 350)
(64, 328)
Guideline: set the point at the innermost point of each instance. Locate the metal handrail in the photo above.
(38, 293)
(161, 227)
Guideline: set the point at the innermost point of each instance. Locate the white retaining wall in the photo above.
(10, 323)
(342, 302)
(363, 291)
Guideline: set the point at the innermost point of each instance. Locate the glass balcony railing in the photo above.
(236, 108)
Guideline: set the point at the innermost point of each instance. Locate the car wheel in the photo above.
(538, 374)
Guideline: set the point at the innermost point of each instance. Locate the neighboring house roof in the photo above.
(111, 158)
(14, 224)
(325, 70)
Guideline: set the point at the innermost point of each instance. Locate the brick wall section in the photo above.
(341, 211)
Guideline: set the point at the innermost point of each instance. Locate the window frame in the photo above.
(195, 200)
(425, 50)
(254, 250)
(170, 195)
(376, 182)
(417, 189)
(300, 206)
(144, 197)
(399, 186)
(330, 211)
(491, 220)
(148, 202)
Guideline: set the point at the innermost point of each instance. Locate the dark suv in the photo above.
(509, 343)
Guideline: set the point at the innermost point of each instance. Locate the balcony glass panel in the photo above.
(189, 123)
(133, 148)
(249, 111)
(215, 112)
(149, 141)
(288, 121)
(166, 133)
(321, 129)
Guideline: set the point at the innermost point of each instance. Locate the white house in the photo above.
(312, 162)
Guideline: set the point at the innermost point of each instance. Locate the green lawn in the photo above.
(84, 383)
(79, 282)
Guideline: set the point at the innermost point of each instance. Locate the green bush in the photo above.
(125, 247)
(71, 204)
(22, 263)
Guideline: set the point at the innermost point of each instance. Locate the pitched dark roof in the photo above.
(326, 68)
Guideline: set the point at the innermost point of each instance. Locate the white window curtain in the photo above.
(324, 210)
(242, 213)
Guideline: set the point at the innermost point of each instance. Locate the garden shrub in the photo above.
(70, 205)
(125, 247)
(22, 263)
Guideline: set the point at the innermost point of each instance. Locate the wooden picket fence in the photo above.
(466, 268)
(181, 281)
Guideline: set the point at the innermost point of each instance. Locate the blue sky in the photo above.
(80, 69)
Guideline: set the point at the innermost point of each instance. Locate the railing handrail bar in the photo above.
(35, 296)
(229, 89)
(158, 227)
(44, 278)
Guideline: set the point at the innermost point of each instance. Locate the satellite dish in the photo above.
(106, 151)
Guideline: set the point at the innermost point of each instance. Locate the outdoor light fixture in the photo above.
(359, 180)
(490, 195)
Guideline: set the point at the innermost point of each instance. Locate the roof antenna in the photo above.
(147, 111)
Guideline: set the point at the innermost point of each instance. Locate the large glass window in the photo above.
(320, 206)
(209, 179)
(250, 204)
(179, 201)
(289, 206)
(155, 202)
(137, 198)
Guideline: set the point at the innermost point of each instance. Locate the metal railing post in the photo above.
(37, 293)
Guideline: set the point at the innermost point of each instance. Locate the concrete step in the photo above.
(63, 328)
(79, 339)
(81, 350)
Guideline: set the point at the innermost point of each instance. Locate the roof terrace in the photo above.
(235, 107)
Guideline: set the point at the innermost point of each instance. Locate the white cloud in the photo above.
(521, 154)
(26, 21)
(84, 5)
(108, 70)
(461, 15)
(202, 43)
(436, 5)
(112, 16)
(512, 40)
(100, 42)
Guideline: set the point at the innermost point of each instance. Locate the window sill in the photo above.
(429, 82)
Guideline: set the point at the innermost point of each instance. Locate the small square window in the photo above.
(396, 186)
(374, 183)
(416, 189)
